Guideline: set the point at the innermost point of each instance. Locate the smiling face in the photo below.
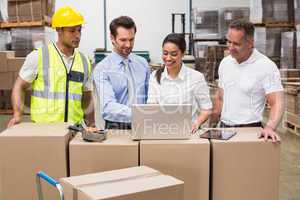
(172, 56)
(123, 41)
(239, 46)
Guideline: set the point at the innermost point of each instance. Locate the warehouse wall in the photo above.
(153, 19)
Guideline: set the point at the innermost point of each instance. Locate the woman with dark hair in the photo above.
(175, 83)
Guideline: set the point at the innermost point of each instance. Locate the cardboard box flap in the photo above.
(110, 176)
(36, 129)
(130, 186)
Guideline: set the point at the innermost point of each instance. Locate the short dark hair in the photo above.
(177, 39)
(122, 21)
(244, 25)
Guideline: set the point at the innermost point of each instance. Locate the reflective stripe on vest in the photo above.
(56, 98)
(57, 95)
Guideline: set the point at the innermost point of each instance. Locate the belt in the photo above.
(255, 124)
(117, 125)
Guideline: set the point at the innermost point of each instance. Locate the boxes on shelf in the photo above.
(206, 23)
(297, 14)
(208, 58)
(292, 97)
(297, 64)
(227, 15)
(24, 40)
(268, 41)
(30, 10)
(271, 11)
(288, 49)
(4, 39)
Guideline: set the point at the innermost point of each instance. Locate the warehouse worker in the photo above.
(177, 84)
(59, 76)
(247, 79)
(121, 78)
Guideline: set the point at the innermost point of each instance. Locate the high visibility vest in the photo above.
(56, 93)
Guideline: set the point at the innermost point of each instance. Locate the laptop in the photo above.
(161, 122)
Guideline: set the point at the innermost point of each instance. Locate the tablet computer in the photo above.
(218, 134)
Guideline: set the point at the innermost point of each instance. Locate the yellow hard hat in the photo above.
(66, 16)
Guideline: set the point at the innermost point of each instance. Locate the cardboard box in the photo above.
(7, 80)
(15, 64)
(26, 149)
(29, 10)
(136, 183)
(4, 55)
(245, 167)
(116, 152)
(187, 160)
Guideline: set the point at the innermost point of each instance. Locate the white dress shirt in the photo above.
(189, 87)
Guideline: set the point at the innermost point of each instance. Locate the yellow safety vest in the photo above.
(57, 94)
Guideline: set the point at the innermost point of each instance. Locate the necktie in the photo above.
(130, 83)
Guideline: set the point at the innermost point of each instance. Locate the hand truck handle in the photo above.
(47, 178)
(51, 181)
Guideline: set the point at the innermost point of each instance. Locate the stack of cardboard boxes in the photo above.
(228, 14)
(267, 40)
(209, 169)
(269, 11)
(24, 40)
(206, 23)
(30, 10)
(208, 58)
(291, 119)
(213, 24)
(9, 69)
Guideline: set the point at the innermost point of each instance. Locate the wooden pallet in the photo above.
(292, 123)
(6, 111)
(45, 22)
(291, 127)
(276, 24)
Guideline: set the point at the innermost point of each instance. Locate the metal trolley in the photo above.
(42, 175)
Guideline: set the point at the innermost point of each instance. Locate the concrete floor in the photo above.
(289, 166)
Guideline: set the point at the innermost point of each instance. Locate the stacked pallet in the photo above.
(208, 58)
(24, 28)
(291, 119)
(212, 24)
(9, 69)
(272, 18)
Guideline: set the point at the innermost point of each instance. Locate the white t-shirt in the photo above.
(189, 87)
(245, 87)
(28, 71)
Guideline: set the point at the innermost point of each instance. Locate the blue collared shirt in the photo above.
(111, 81)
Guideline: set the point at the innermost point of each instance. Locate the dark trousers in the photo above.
(117, 125)
(255, 124)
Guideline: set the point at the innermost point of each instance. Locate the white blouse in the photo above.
(189, 87)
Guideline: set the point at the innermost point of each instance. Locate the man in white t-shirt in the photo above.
(247, 79)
